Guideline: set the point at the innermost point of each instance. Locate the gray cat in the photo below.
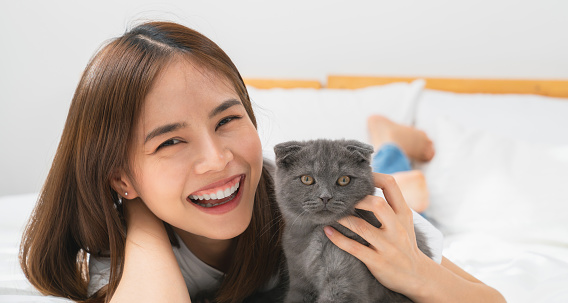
(317, 183)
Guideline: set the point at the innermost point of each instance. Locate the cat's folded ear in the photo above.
(362, 150)
(284, 152)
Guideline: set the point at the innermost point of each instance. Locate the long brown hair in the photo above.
(77, 214)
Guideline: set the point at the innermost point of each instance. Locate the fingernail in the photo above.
(328, 230)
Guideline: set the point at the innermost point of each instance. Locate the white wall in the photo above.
(44, 46)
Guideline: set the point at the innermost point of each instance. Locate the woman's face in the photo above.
(197, 157)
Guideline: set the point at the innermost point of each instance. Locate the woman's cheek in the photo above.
(253, 150)
(161, 182)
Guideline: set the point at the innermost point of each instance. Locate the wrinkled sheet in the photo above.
(523, 271)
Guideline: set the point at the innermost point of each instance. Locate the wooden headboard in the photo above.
(282, 83)
(552, 88)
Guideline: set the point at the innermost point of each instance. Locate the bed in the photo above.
(498, 183)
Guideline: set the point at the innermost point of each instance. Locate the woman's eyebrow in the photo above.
(223, 106)
(160, 130)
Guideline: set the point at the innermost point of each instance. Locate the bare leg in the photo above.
(416, 145)
(413, 142)
(414, 190)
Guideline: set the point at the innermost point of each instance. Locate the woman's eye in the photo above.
(226, 120)
(168, 143)
(308, 180)
(343, 180)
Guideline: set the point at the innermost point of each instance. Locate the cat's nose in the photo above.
(325, 199)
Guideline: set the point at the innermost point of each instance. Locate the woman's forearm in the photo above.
(449, 283)
(151, 272)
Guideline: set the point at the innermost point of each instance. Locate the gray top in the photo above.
(197, 274)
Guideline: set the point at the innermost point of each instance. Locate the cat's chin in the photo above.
(325, 217)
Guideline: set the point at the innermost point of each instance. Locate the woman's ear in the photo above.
(122, 184)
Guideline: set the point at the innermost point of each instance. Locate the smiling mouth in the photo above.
(219, 197)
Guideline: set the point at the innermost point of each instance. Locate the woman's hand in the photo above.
(140, 219)
(151, 272)
(393, 256)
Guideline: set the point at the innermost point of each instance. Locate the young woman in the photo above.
(158, 190)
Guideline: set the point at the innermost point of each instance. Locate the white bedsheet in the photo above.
(521, 271)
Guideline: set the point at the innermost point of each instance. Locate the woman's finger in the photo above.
(392, 193)
(363, 228)
(380, 208)
(356, 249)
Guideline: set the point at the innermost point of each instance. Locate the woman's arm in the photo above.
(151, 272)
(449, 281)
(393, 256)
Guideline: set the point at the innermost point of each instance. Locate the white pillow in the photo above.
(530, 118)
(303, 114)
(481, 182)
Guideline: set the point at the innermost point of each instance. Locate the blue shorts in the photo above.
(390, 159)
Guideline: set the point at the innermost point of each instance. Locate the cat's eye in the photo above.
(343, 180)
(308, 180)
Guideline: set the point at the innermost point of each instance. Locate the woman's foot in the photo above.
(412, 184)
(413, 142)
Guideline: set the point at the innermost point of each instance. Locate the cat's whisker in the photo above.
(276, 221)
(337, 206)
(301, 214)
(270, 225)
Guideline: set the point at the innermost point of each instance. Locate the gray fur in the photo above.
(318, 270)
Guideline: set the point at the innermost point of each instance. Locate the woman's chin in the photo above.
(227, 226)
(226, 235)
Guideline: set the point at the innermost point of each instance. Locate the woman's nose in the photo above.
(213, 156)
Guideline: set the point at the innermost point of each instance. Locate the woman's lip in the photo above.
(217, 184)
(225, 207)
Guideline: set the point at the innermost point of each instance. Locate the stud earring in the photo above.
(126, 194)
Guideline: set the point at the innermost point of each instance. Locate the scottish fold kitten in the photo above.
(317, 183)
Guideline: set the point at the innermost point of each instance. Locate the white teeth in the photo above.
(218, 195)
